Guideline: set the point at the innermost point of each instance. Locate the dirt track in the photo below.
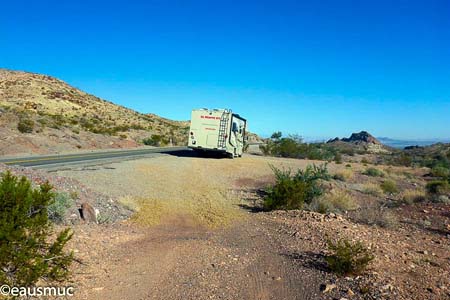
(183, 258)
(180, 261)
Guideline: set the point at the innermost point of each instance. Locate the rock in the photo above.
(278, 278)
(350, 292)
(387, 287)
(87, 213)
(327, 288)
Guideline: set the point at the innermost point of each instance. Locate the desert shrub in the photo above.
(294, 147)
(413, 196)
(372, 189)
(343, 175)
(339, 176)
(25, 125)
(441, 199)
(293, 191)
(336, 202)
(58, 208)
(338, 158)
(373, 172)
(437, 187)
(348, 258)
(155, 140)
(348, 165)
(389, 186)
(379, 216)
(364, 161)
(26, 253)
(440, 171)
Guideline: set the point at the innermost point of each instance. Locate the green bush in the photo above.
(440, 171)
(25, 125)
(155, 140)
(389, 186)
(294, 147)
(348, 258)
(293, 191)
(373, 172)
(338, 158)
(339, 176)
(26, 253)
(438, 187)
(58, 208)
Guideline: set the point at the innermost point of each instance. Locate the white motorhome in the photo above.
(217, 130)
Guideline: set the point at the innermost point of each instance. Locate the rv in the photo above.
(217, 130)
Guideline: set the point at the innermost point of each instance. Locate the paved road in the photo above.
(44, 160)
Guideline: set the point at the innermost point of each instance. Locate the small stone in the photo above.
(350, 292)
(328, 288)
(278, 278)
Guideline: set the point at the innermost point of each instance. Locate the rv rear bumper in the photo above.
(199, 148)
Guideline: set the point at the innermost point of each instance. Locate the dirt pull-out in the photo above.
(179, 260)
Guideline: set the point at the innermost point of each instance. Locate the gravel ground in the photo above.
(107, 205)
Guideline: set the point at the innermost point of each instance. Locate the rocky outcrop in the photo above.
(360, 141)
(361, 137)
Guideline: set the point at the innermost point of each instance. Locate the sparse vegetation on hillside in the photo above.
(45, 103)
(26, 253)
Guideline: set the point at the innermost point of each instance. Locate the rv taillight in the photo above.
(192, 133)
(226, 135)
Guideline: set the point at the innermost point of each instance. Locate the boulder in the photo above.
(88, 213)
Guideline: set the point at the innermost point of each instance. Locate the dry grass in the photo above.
(335, 201)
(191, 191)
(346, 174)
(378, 216)
(212, 213)
(412, 196)
(372, 189)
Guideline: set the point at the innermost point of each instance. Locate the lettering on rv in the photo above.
(210, 117)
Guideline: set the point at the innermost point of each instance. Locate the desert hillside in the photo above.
(42, 114)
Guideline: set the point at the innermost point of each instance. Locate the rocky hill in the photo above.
(42, 114)
(360, 141)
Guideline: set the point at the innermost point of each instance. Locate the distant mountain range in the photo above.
(404, 143)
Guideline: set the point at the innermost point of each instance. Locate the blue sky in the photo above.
(317, 68)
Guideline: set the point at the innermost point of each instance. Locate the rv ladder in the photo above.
(223, 130)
